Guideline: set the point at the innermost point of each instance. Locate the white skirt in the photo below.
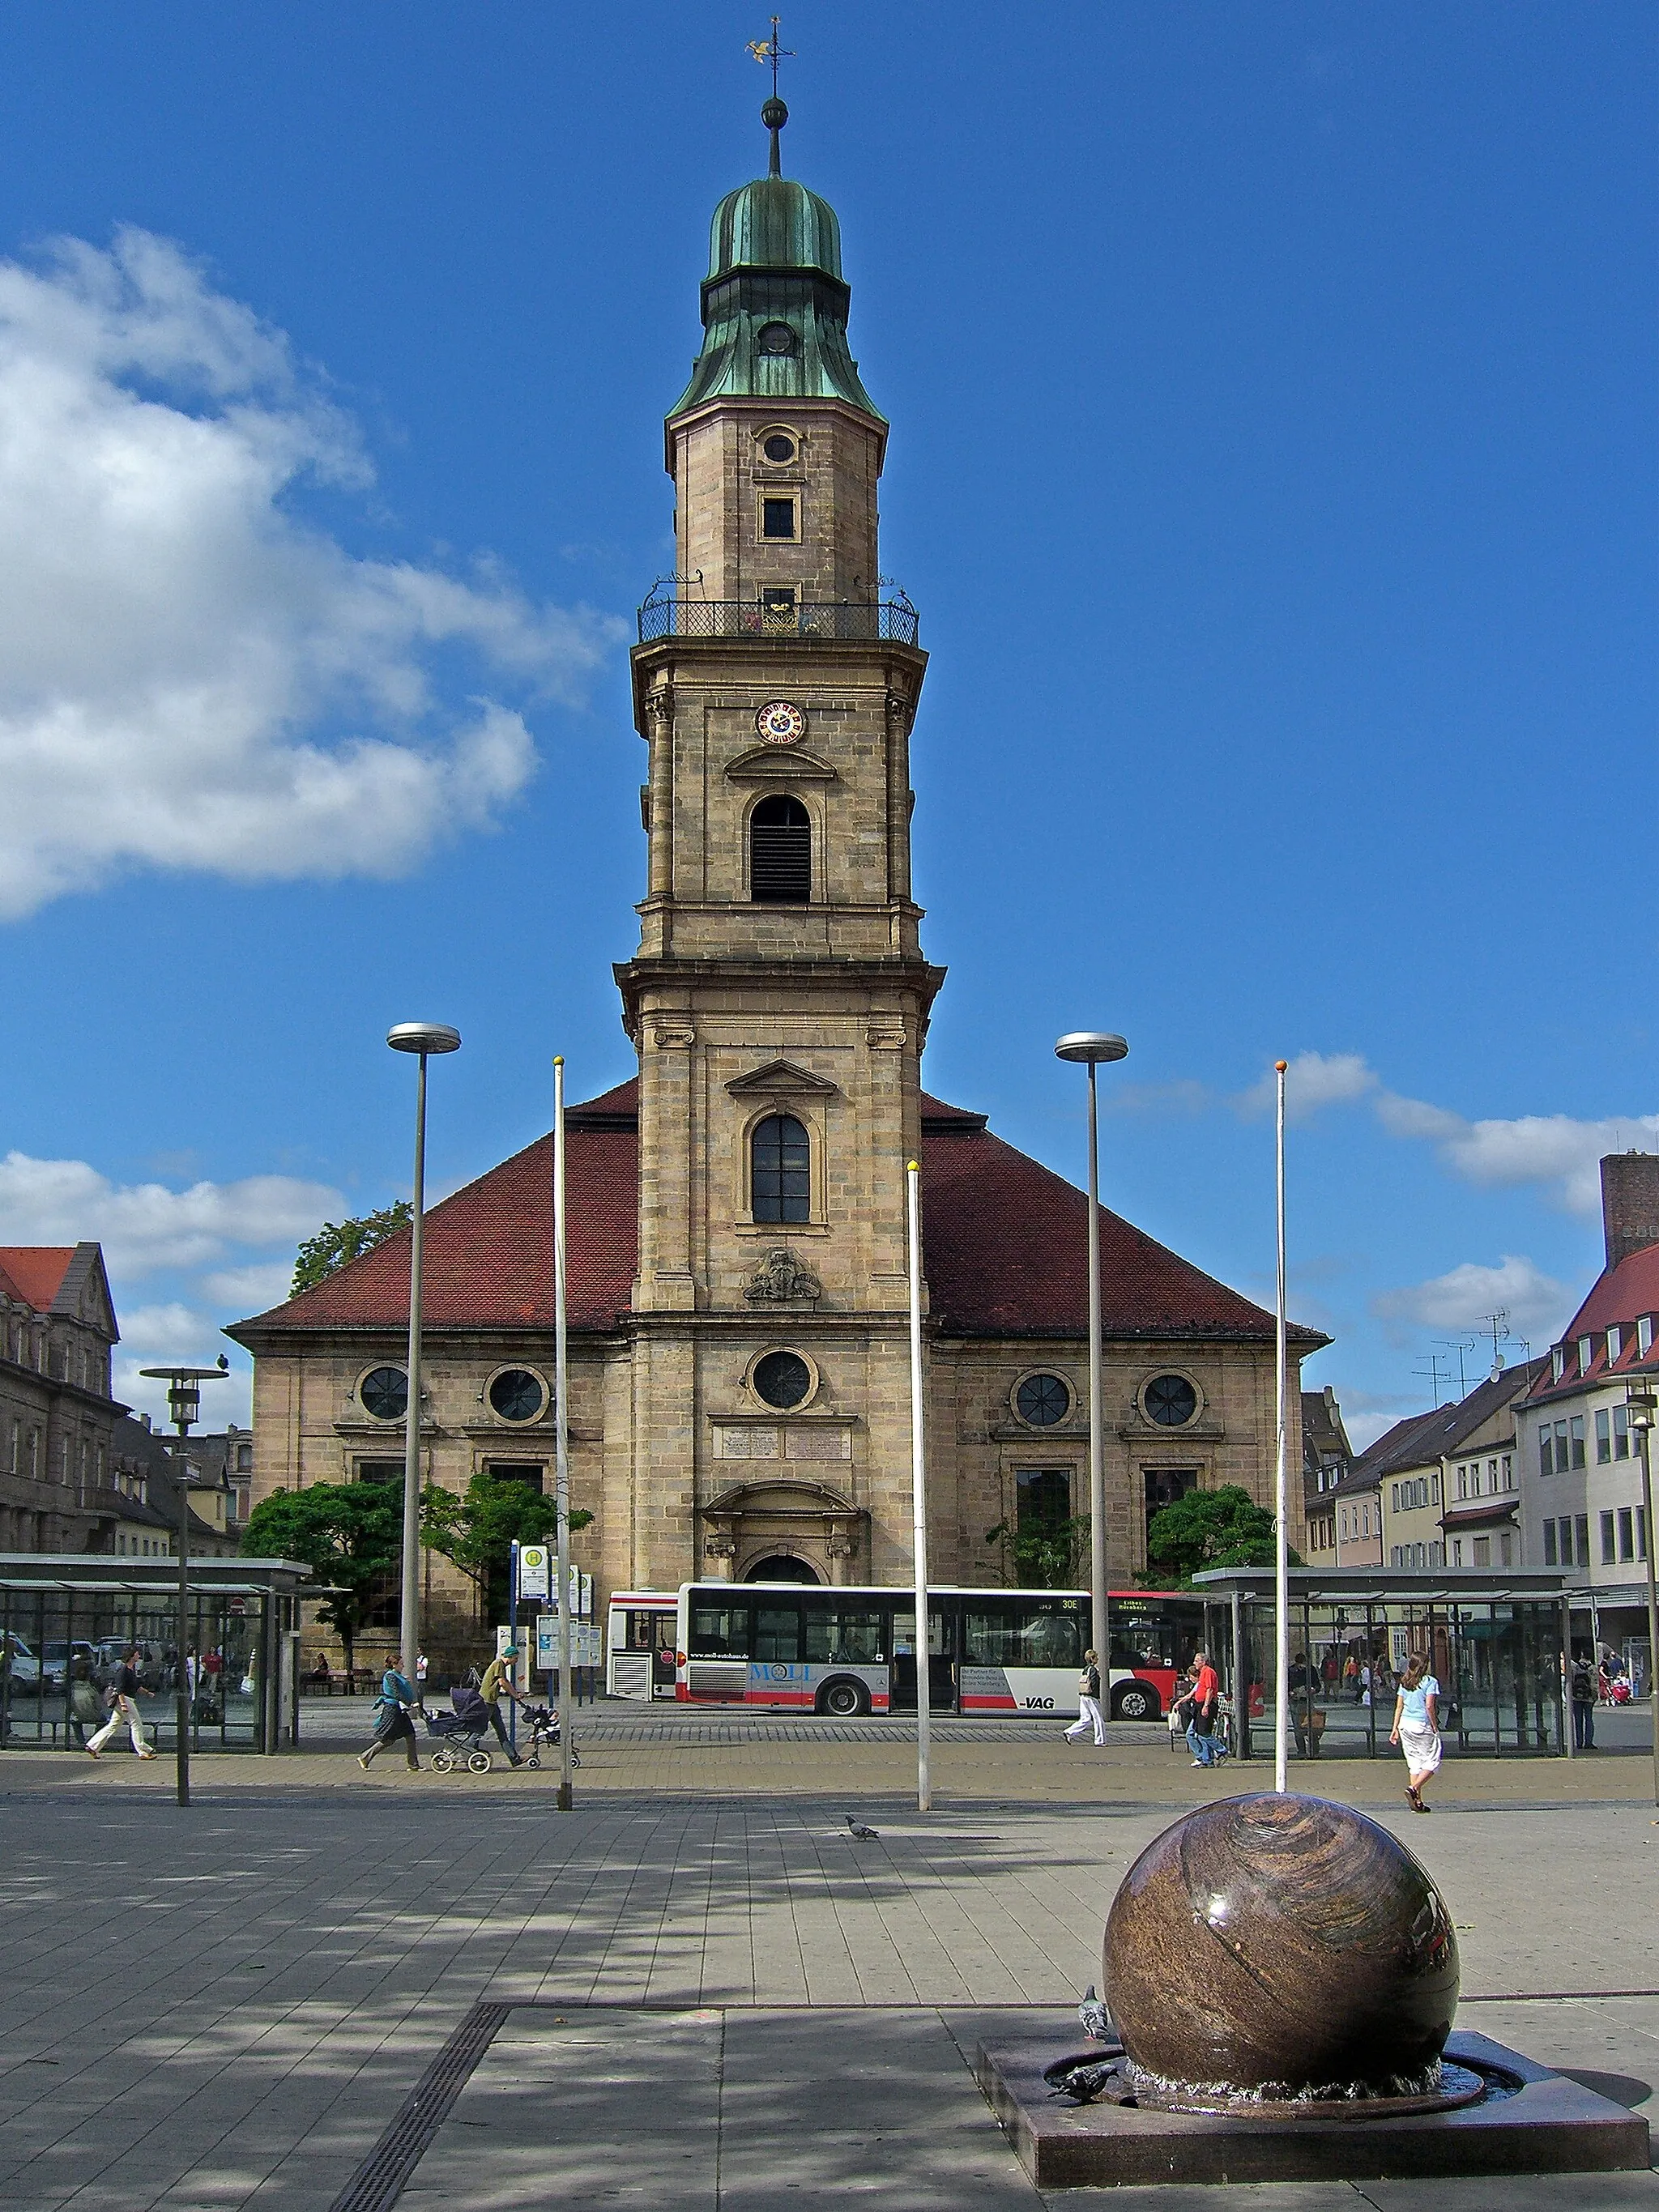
(1420, 1742)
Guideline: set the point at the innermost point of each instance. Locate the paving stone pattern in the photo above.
(227, 2006)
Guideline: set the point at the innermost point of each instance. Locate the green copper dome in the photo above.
(774, 302)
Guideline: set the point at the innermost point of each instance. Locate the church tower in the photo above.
(778, 998)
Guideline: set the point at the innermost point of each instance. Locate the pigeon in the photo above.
(857, 1828)
(1084, 2083)
(1096, 2020)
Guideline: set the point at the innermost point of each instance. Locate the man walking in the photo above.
(122, 1710)
(497, 1683)
(1584, 1706)
(1205, 1699)
(1088, 1702)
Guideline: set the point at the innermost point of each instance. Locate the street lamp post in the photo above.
(1091, 1047)
(423, 1038)
(1640, 1397)
(183, 1405)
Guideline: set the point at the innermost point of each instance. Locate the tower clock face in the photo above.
(780, 722)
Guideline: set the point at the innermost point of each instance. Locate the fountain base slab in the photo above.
(1532, 2121)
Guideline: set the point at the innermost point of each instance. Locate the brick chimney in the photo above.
(1629, 1203)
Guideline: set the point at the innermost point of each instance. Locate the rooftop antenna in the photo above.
(1498, 1323)
(1430, 1367)
(1460, 1344)
(768, 54)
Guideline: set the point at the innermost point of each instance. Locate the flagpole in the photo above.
(919, 1490)
(562, 1435)
(1281, 1530)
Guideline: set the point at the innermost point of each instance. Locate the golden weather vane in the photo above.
(769, 53)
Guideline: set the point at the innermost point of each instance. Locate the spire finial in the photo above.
(774, 114)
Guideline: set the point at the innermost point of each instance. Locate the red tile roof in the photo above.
(1618, 1297)
(1006, 1247)
(35, 1272)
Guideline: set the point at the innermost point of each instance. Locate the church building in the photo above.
(739, 1381)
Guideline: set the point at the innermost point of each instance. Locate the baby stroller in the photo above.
(460, 1734)
(544, 1726)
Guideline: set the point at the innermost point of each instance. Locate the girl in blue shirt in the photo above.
(1417, 1727)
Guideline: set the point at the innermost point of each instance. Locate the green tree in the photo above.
(1223, 1528)
(336, 1242)
(350, 1533)
(476, 1529)
(1042, 1554)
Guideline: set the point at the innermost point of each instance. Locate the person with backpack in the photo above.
(1584, 1706)
(1088, 1702)
(120, 1697)
(497, 1683)
(393, 1723)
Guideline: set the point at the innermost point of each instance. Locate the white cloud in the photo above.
(1552, 1149)
(250, 1290)
(1313, 1081)
(1537, 1305)
(144, 1226)
(190, 676)
(168, 1332)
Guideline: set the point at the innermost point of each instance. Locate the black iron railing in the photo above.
(830, 621)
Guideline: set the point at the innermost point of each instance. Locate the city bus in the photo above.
(809, 1648)
(639, 1645)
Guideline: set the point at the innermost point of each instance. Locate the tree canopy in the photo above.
(476, 1529)
(350, 1533)
(1223, 1528)
(336, 1242)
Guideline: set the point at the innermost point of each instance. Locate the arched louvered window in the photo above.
(779, 852)
(781, 1170)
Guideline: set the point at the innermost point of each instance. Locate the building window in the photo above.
(1609, 1552)
(777, 517)
(385, 1393)
(1641, 1532)
(1545, 1461)
(244, 1459)
(1577, 1427)
(1041, 1400)
(1586, 1353)
(1462, 1482)
(1581, 1529)
(531, 1473)
(1042, 1498)
(782, 1379)
(1509, 1471)
(517, 1394)
(1506, 1551)
(779, 852)
(1558, 1361)
(1551, 1557)
(1457, 1552)
(1616, 1343)
(781, 1170)
(777, 447)
(1644, 1335)
(1604, 1437)
(1483, 1551)
(1627, 1534)
(380, 1470)
(779, 340)
(1621, 1433)
(1170, 1400)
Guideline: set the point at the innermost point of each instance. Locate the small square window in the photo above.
(778, 516)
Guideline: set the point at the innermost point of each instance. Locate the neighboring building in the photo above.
(739, 1381)
(1580, 1475)
(57, 1334)
(1327, 1457)
(146, 1497)
(1356, 1507)
(1447, 1481)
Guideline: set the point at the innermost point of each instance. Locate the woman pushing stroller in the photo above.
(392, 1721)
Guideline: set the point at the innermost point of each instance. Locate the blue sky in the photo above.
(1272, 464)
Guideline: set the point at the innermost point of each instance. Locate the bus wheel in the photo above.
(843, 1698)
(1136, 1701)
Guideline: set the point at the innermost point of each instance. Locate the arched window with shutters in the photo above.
(779, 852)
(780, 1170)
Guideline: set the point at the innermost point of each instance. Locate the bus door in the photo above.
(941, 1666)
(662, 1655)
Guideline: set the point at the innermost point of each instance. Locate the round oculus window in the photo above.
(780, 722)
(1042, 1399)
(1170, 1400)
(385, 1392)
(517, 1394)
(778, 447)
(776, 338)
(782, 1379)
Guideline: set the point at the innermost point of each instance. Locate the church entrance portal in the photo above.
(779, 1568)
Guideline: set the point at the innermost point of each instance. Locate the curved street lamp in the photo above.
(1094, 1049)
(423, 1038)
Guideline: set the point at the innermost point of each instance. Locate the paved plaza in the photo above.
(697, 1989)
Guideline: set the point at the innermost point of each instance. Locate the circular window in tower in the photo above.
(779, 447)
(1042, 1400)
(385, 1393)
(1170, 1400)
(782, 1379)
(517, 1394)
(775, 339)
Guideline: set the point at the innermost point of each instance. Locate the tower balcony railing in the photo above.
(779, 615)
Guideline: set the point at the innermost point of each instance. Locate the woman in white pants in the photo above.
(1417, 1728)
(1089, 1715)
(123, 1712)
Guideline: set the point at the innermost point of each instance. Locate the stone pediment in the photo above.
(784, 1077)
(776, 764)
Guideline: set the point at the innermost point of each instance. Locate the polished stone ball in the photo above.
(1280, 1945)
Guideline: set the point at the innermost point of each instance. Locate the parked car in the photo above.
(109, 1651)
(25, 1667)
(57, 1657)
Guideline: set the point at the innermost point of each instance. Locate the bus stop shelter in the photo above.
(242, 1614)
(1494, 1638)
